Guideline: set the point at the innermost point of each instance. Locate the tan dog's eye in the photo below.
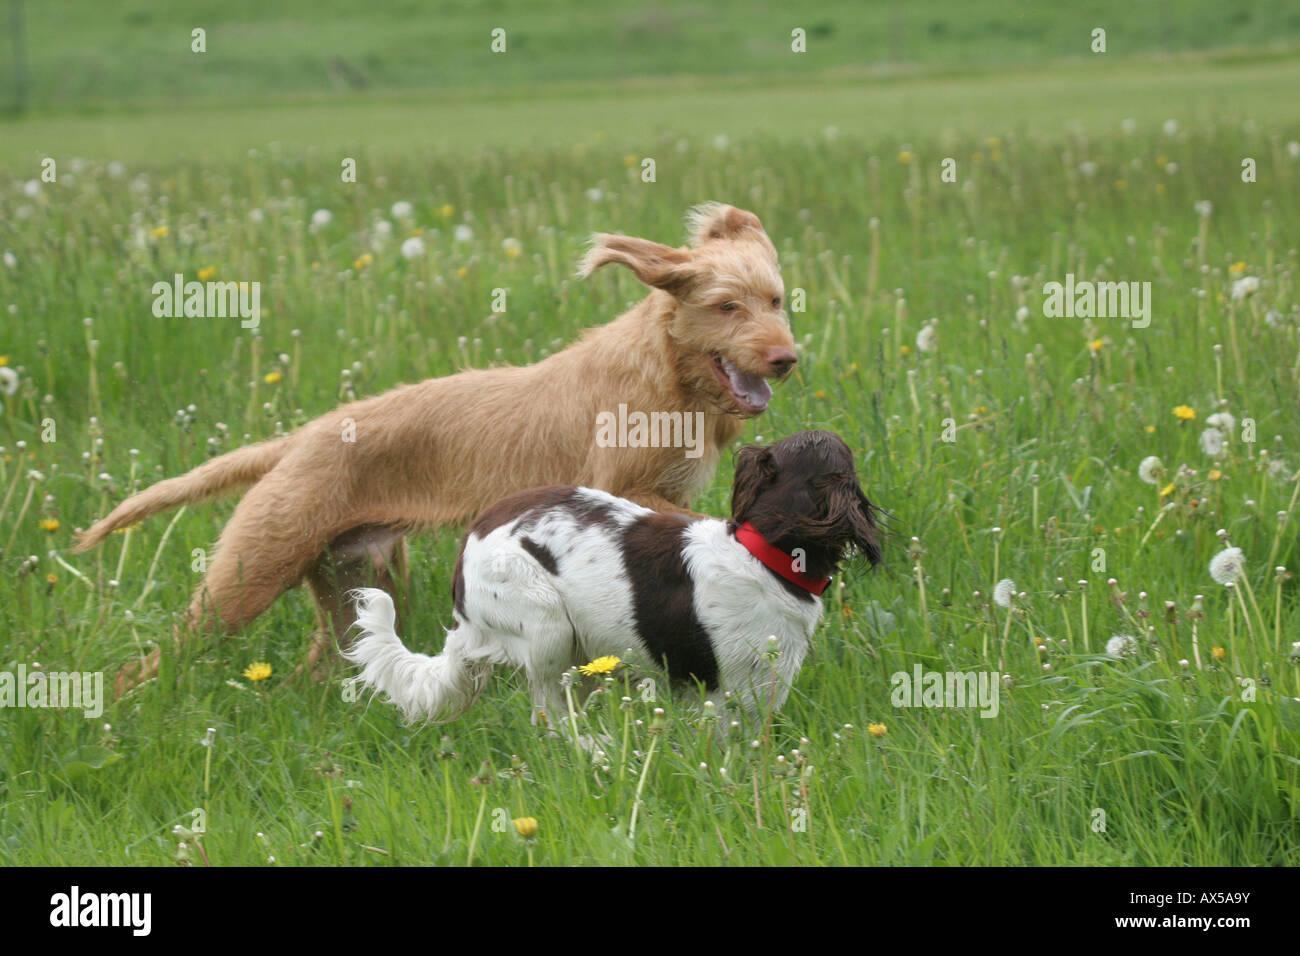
(729, 306)
(776, 302)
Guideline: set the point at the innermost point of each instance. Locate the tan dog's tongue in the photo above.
(753, 389)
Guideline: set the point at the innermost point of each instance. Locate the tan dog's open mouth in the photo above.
(751, 392)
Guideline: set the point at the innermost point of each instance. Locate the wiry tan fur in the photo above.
(438, 452)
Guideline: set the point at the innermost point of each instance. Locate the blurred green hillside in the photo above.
(86, 54)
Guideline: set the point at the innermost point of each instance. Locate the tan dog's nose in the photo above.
(781, 360)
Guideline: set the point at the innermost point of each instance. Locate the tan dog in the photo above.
(334, 511)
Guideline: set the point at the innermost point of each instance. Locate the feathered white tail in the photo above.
(433, 689)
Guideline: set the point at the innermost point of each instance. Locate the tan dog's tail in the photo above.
(234, 470)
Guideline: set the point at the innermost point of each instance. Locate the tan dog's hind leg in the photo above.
(365, 557)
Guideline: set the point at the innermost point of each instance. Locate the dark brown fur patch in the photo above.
(663, 599)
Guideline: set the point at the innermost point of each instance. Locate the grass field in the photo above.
(1006, 444)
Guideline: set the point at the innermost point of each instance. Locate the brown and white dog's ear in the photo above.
(715, 220)
(755, 470)
(656, 265)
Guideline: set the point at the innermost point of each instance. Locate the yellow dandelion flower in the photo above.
(160, 232)
(1218, 653)
(629, 160)
(271, 378)
(1160, 188)
(976, 157)
(462, 272)
(51, 579)
(1150, 429)
(601, 665)
(207, 272)
(526, 827)
(362, 261)
(417, 232)
(1237, 268)
(877, 730)
(1162, 161)
(258, 671)
(50, 524)
(4, 360)
(853, 366)
(1038, 642)
(993, 142)
(848, 610)
(995, 154)
(1121, 184)
(513, 252)
(905, 157)
(1184, 413)
(1214, 474)
(819, 394)
(447, 211)
(1096, 344)
(1167, 490)
(906, 350)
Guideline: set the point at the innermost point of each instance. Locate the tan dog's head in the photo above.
(726, 312)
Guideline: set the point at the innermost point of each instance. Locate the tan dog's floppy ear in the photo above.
(715, 220)
(655, 264)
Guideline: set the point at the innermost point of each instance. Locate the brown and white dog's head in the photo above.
(724, 305)
(803, 492)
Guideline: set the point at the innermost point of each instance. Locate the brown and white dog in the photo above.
(554, 577)
(705, 340)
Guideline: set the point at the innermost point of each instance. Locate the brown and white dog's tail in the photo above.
(234, 470)
(424, 688)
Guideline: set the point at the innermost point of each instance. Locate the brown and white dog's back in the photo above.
(553, 577)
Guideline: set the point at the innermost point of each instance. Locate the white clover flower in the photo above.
(10, 259)
(1022, 314)
(1224, 421)
(1151, 470)
(1212, 442)
(32, 188)
(1203, 208)
(1004, 592)
(927, 340)
(413, 248)
(8, 380)
(1171, 168)
(1171, 127)
(1121, 646)
(1088, 168)
(1272, 318)
(721, 142)
(402, 209)
(1246, 285)
(594, 194)
(383, 230)
(511, 245)
(463, 233)
(321, 218)
(1294, 149)
(1228, 565)
(1128, 126)
(256, 216)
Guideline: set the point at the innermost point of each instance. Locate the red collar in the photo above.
(777, 560)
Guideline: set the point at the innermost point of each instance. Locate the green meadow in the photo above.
(1147, 713)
